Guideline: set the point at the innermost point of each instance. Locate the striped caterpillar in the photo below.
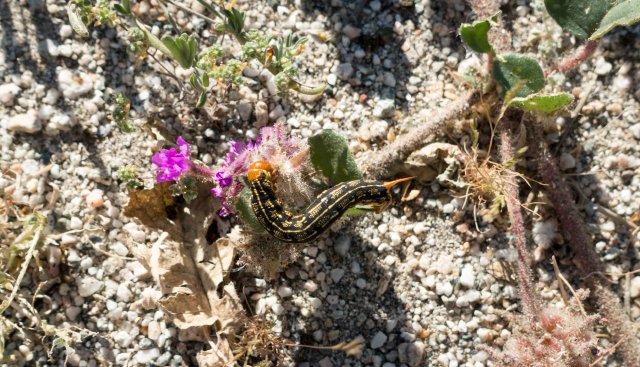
(320, 214)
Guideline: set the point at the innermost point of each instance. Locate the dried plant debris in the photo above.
(560, 337)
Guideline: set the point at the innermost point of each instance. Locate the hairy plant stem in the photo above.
(512, 193)
(388, 159)
(575, 232)
(572, 61)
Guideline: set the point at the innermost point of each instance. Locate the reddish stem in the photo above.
(511, 192)
(572, 61)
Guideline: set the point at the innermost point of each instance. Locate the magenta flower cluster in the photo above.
(172, 163)
(271, 145)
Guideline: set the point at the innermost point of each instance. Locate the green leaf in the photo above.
(124, 8)
(580, 17)
(202, 99)
(509, 70)
(243, 207)
(331, 156)
(623, 14)
(153, 40)
(475, 35)
(542, 103)
(183, 49)
(76, 22)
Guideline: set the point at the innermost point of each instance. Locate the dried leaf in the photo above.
(218, 356)
(427, 162)
(153, 207)
(189, 271)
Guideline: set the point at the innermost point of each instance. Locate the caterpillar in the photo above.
(320, 214)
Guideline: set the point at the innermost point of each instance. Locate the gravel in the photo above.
(419, 282)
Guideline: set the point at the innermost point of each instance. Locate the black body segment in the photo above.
(319, 215)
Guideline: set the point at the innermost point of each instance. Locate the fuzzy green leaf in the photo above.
(183, 49)
(509, 70)
(331, 156)
(475, 35)
(622, 14)
(542, 103)
(579, 17)
(243, 207)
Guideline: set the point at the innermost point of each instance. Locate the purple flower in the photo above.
(172, 163)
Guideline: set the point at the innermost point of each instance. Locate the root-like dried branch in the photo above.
(388, 159)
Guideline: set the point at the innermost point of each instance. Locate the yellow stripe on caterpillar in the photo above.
(320, 214)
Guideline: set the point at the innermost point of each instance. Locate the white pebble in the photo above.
(284, 291)
(95, 198)
(467, 277)
(89, 286)
(635, 287)
(25, 122)
(8, 93)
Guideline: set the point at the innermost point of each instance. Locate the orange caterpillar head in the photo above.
(258, 168)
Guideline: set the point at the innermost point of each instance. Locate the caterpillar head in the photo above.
(379, 207)
(259, 168)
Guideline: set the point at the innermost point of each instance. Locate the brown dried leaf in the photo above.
(152, 207)
(218, 356)
(189, 271)
(427, 162)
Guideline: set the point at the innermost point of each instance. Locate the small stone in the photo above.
(25, 122)
(444, 289)
(332, 79)
(384, 108)
(444, 264)
(72, 312)
(484, 334)
(89, 286)
(147, 356)
(325, 362)
(344, 71)
(52, 96)
(336, 274)
(467, 277)
(361, 283)
(603, 67)
(75, 223)
(123, 293)
(411, 353)
(375, 5)
(284, 291)
(66, 31)
(635, 130)
(277, 308)
(425, 262)
(388, 79)
(342, 245)
(8, 93)
(566, 161)
(351, 32)
(634, 290)
(622, 83)
(95, 198)
(262, 114)
(154, 331)
(378, 340)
